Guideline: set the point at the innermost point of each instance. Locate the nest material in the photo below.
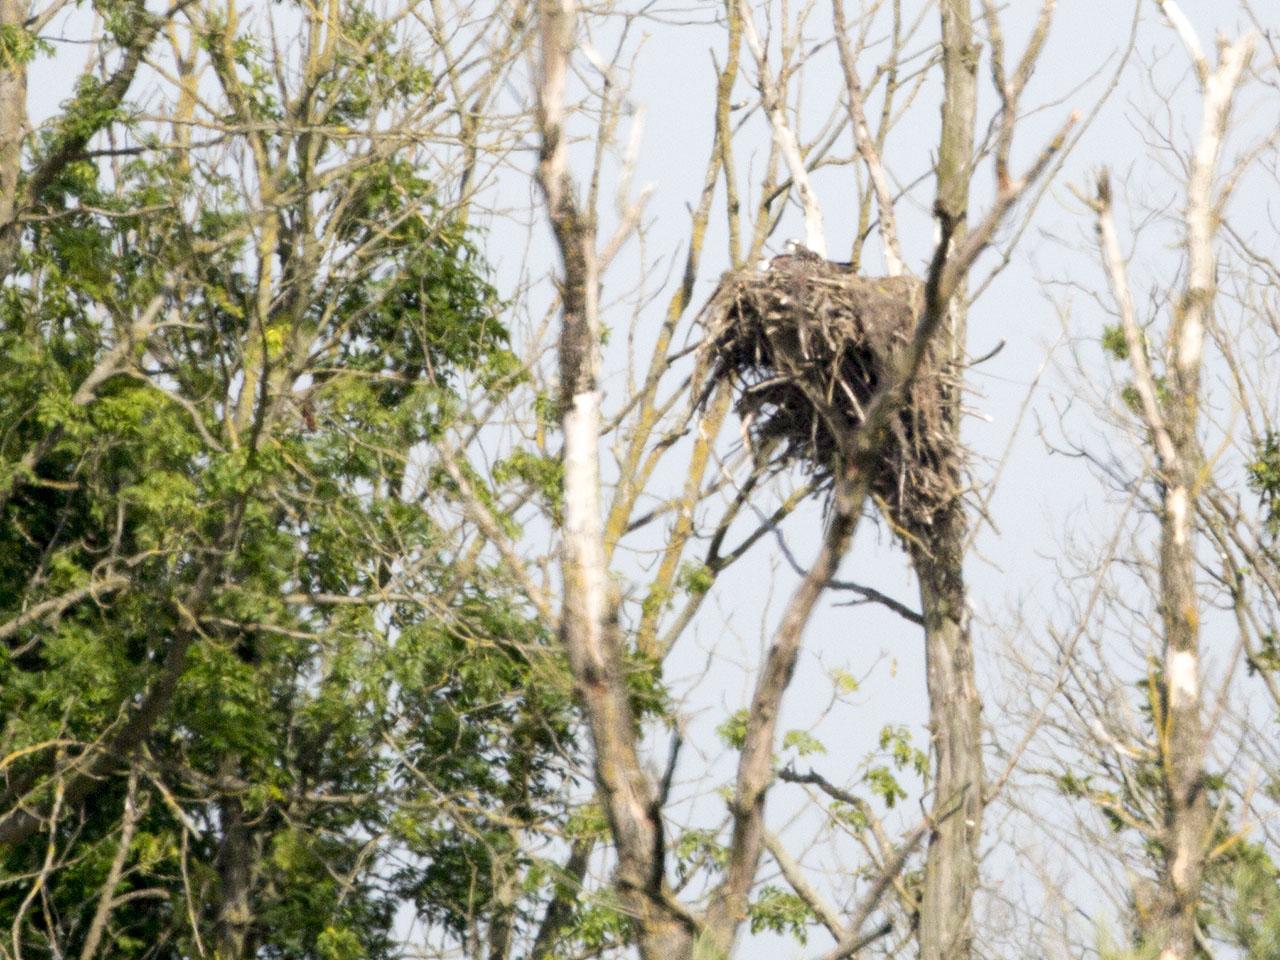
(806, 343)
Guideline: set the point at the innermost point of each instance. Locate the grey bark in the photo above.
(951, 861)
(955, 725)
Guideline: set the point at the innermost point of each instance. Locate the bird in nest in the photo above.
(791, 250)
(794, 248)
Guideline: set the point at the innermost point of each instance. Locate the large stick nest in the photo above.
(805, 344)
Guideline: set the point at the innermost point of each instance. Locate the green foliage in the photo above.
(733, 729)
(1133, 400)
(1073, 786)
(1268, 657)
(781, 912)
(648, 694)
(1250, 919)
(488, 722)
(1114, 343)
(237, 485)
(339, 943)
(1264, 479)
(905, 756)
(1109, 950)
(587, 820)
(600, 924)
(885, 786)
(896, 748)
(845, 681)
(698, 848)
(543, 475)
(20, 46)
(853, 817)
(695, 578)
(802, 742)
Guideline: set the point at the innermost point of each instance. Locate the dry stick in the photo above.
(794, 875)
(683, 528)
(1187, 34)
(852, 938)
(855, 940)
(483, 518)
(635, 469)
(867, 594)
(1066, 655)
(716, 562)
(784, 136)
(107, 895)
(724, 133)
(1221, 524)
(1135, 343)
(56, 606)
(849, 939)
(893, 262)
(1010, 88)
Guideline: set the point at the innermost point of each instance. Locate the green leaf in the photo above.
(733, 731)
(802, 742)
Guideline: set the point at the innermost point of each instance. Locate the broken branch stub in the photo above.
(806, 343)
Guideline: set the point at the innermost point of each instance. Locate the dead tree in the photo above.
(1169, 407)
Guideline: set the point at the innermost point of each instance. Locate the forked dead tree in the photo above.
(1170, 408)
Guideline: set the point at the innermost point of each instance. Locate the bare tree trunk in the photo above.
(1182, 737)
(591, 636)
(1171, 414)
(235, 868)
(951, 863)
